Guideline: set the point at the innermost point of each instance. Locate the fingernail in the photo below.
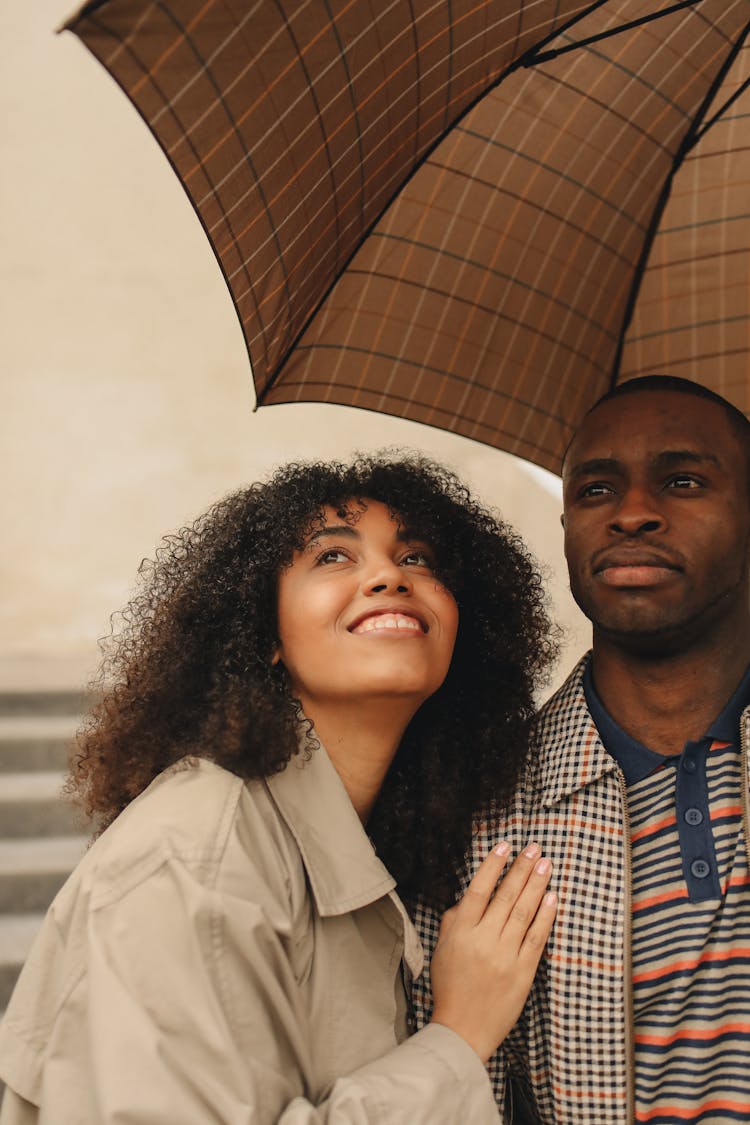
(550, 899)
(502, 848)
(542, 867)
(532, 851)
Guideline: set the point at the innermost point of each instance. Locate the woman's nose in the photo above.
(385, 577)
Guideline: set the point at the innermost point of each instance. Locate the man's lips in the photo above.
(391, 621)
(634, 569)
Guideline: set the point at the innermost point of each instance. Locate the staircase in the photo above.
(41, 837)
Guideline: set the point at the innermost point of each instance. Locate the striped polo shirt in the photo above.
(690, 921)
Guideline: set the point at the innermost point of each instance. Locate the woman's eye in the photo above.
(417, 558)
(331, 555)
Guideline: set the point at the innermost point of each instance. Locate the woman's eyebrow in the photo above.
(403, 535)
(333, 529)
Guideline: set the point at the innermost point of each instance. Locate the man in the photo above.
(637, 782)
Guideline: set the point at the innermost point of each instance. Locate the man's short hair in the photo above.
(737, 420)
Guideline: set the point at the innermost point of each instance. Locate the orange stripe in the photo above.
(650, 829)
(726, 810)
(689, 1114)
(678, 966)
(592, 1095)
(696, 1035)
(583, 962)
(669, 821)
(680, 895)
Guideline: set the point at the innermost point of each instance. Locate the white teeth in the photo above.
(388, 621)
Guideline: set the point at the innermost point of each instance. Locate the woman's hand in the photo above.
(489, 948)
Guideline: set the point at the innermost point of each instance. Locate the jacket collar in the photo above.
(565, 723)
(341, 863)
(342, 867)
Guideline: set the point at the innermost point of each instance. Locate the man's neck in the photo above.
(663, 702)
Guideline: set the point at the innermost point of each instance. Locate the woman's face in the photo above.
(361, 614)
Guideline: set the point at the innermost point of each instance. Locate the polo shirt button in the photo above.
(700, 868)
(693, 816)
(689, 764)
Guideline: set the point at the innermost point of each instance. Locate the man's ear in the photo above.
(276, 656)
(562, 519)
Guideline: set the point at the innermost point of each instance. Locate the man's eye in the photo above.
(596, 488)
(683, 481)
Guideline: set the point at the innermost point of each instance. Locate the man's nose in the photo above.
(386, 577)
(637, 513)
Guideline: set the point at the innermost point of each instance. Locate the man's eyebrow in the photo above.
(596, 465)
(676, 456)
(663, 459)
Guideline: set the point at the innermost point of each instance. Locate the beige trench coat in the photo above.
(231, 952)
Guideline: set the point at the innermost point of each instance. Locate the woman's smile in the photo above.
(387, 622)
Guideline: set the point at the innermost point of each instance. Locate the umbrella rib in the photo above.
(538, 57)
(517, 64)
(688, 142)
(720, 112)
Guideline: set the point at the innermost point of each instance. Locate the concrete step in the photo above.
(36, 742)
(31, 804)
(44, 702)
(33, 870)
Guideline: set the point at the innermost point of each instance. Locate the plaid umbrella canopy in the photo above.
(476, 214)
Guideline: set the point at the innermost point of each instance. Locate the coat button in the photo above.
(700, 868)
(693, 816)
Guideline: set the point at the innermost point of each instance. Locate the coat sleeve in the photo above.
(185, 1017)
(427, 923)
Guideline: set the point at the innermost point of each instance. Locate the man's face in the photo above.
(657, 519)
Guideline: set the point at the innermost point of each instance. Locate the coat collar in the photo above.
(563, 723)
(344, 872)
(341, 863)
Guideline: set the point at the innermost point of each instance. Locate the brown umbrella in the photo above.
(477, 214)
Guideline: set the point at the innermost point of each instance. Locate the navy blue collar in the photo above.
(635, 759)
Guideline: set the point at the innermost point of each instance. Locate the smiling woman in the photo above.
(343, 652)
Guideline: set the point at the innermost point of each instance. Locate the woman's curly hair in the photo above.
(189, 670)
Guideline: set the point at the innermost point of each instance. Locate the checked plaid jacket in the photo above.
(568, 1061)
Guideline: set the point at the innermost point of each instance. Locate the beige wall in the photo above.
(127, 399)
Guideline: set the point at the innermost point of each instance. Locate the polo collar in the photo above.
(638, 761)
